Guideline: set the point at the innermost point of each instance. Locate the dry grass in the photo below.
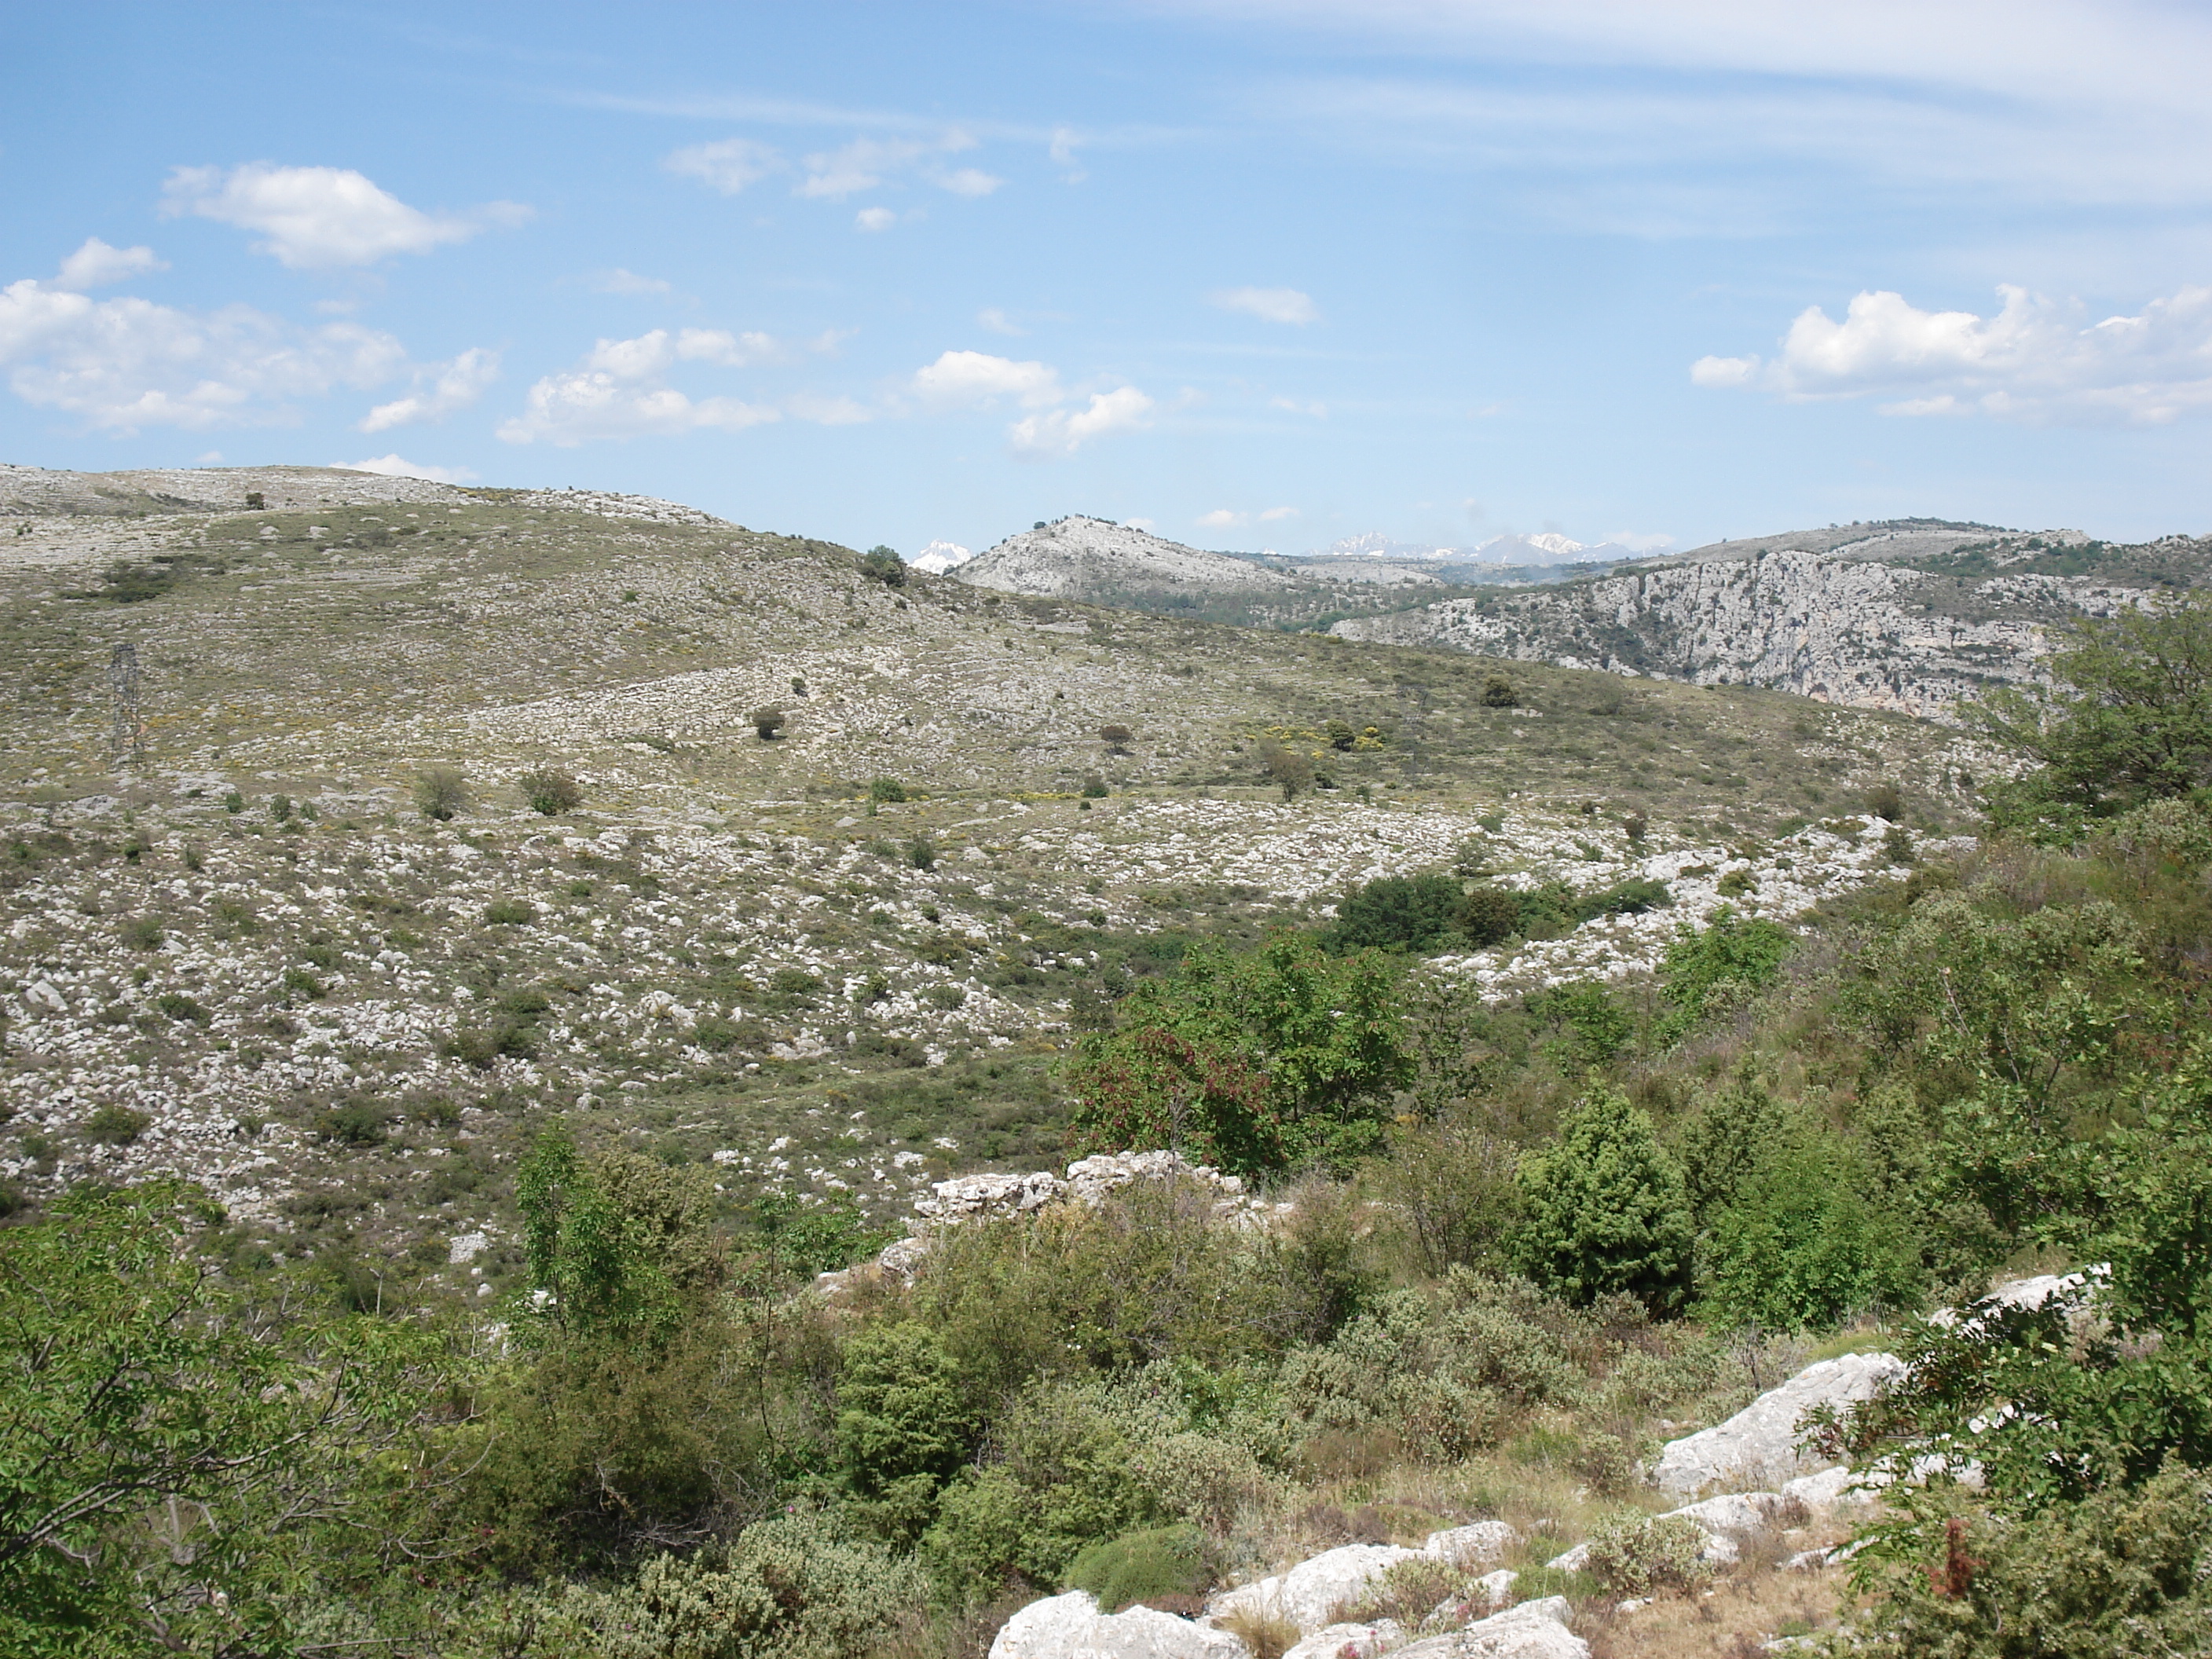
(1735, 1618)
(1265, 1635)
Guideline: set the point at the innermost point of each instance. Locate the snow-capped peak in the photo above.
(941, 556)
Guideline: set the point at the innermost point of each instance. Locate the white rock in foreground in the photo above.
(1533, 1630)
(1757, 1447)
(1070, 1626)
(1310, 1594)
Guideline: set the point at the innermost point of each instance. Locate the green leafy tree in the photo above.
(1604, 1210)
(1801, 1245)
(183, 1467)
(619, 1247)
(1283, 1055)
(2127, 718)
(1398, 912)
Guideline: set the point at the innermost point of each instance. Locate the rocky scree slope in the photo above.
(1908, 616)
(245, 956)
(1087, 558)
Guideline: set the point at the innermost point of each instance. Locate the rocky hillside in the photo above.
(1096, 560)
(246, 954)
(1908, 616)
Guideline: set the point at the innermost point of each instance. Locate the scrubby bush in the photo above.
(550, 791)
(1398, 912)
(1159, 1562)
(1290, 769)
(441, 792)
(1115, 737)
(142, 933)
(510, 912)
(1720, 966)
(1094, 788)
(113, 1125)
(886, 789)
(1497, 692)
(1645, 1555)
(1488, 916)
(767, 722)
(790, 1587)
(1605, 1211)
(883, 564)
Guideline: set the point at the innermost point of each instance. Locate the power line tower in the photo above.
(129, 725)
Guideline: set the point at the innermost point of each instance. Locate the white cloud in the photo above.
(317, 218)
(1056, 432)
(123, 364)
(619, 281)
(727, 166)
(1318, 410)
(874, 218)
(395, 466)
(978, 380)
(1639, 541)
(442, 388)
(998, 322)
(1269, 304)
(967, 181)
(1221, 518)
(2034, 360)
(96, 264)
(1275, 514)
(620, 389)
(977, 377)
(862, 164)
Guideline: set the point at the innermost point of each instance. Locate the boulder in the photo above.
(1471, 1545)
(1070, 1626)
(1310, 1594)
(1757, 1447)
(1531, 1630)
(1724, 1519)
(1349, 1641)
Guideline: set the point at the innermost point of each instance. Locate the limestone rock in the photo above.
(1310, 1594)
(1530, 1630)
(1070, 1626)
(967, 1196)
(1471, 1545)
(1348, 1641)
(1757, 1446)
(1831, 1489)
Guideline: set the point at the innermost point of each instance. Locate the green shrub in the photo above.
(1497, 692)
(1094, 788)
(550, 791)
(234, 802)
(905, 1423)
(791, 1587)
(1642, 1555)
(1721, 966)
(1141, 1567)
(1488, 916)
(2126, 1573)
(1588, 1027)
(768, 722)
(142, 933)
(441, 792)
(1398, 912)
(886, 789)
(301, 982)
(177, 1005)
(1799, 1246)
(510, 912)
(883, 564)
(921, 852)
(113, 1125)
(1736, 884)
(482, 1046)
(1606, 1209)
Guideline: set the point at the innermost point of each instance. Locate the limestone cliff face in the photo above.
(1844, 630)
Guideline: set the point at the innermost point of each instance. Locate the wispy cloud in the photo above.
(1270, 304)
(442, 389)
(976, 379)
(397, 467)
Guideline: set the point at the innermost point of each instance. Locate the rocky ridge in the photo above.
(1087, 558)
(1906, 617)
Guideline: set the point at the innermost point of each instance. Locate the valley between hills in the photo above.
(600, 1081)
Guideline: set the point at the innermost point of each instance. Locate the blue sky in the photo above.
(1259, 273)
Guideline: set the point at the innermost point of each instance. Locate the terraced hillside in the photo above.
(232, 947)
